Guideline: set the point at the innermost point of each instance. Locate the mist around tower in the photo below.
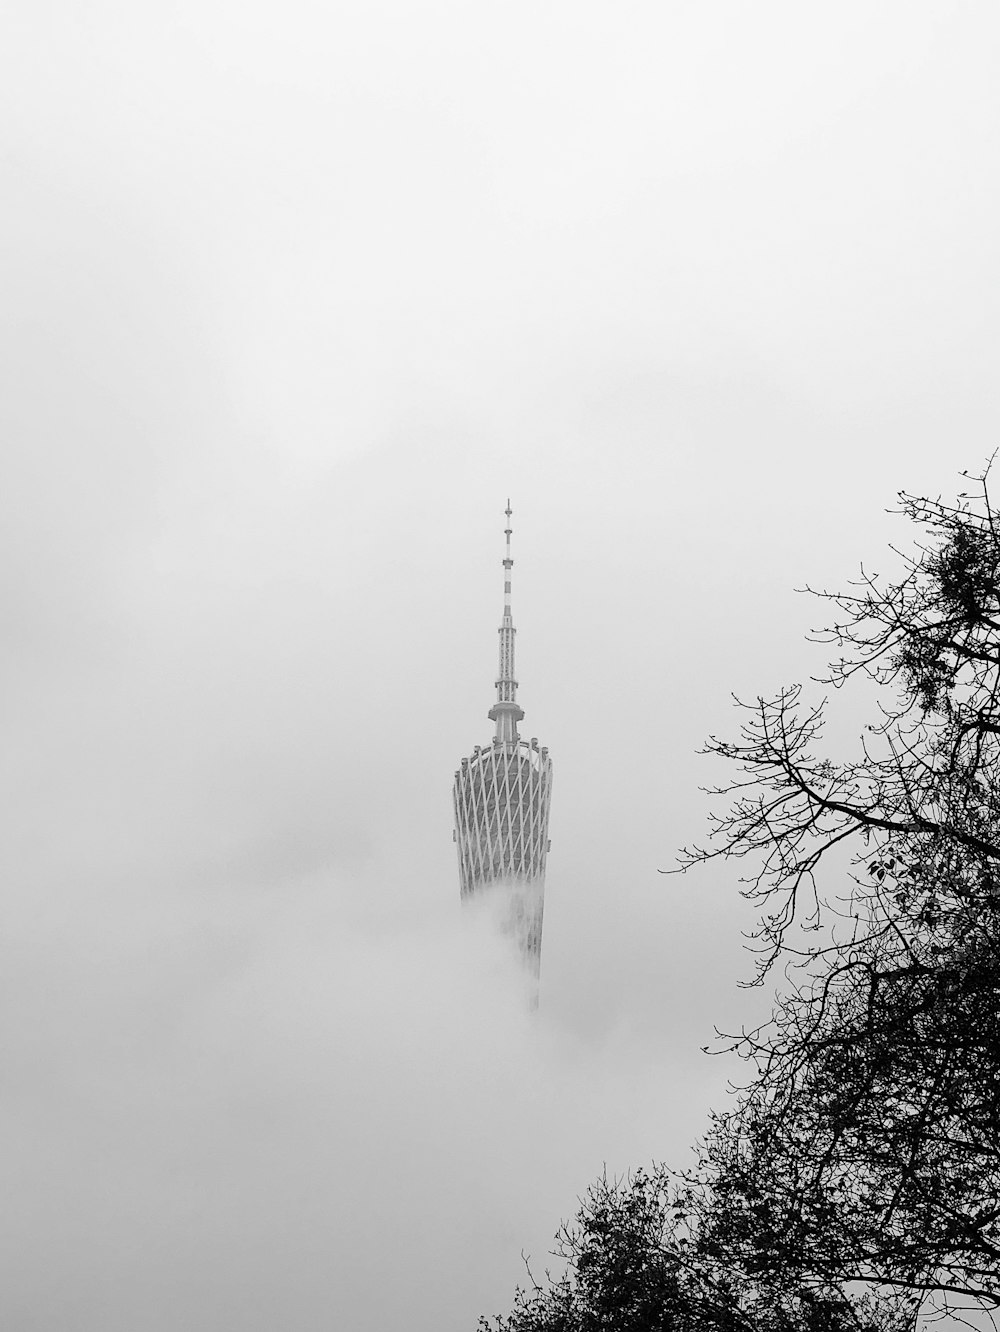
(288, 292)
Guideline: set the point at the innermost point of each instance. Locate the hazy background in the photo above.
(293, 298)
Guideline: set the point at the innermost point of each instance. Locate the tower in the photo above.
(501, 795)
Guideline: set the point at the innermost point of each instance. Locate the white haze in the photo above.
(294, 297)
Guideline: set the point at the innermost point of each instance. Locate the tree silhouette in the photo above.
(855, 1183)
(867, 1148)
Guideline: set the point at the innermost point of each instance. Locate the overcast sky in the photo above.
(293, 298)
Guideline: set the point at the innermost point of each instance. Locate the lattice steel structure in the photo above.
(501, 795)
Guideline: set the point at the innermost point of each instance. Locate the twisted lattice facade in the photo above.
(502, 794)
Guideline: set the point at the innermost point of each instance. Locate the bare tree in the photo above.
(855, 1183)
(867, 1148)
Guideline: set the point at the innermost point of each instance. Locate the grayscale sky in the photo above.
(294, 296)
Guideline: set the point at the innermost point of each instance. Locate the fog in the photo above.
(294, 298)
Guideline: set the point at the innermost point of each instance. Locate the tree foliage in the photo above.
(634, 1264)
(869, 1140)
(856, 1180)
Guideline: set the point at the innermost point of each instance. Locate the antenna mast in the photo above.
(505, 712)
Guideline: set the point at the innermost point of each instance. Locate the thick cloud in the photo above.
(240, 1107)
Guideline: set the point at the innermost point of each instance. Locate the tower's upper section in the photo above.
(505, 712)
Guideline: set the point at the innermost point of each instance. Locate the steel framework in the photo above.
(501, 800)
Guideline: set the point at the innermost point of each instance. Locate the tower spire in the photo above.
(505, 712)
